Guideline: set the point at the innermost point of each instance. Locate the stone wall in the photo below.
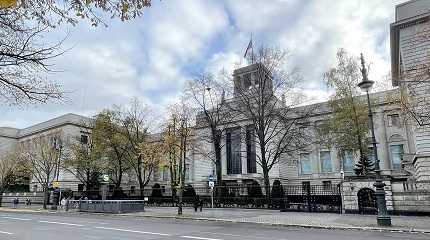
(350, 189)
(412, 202)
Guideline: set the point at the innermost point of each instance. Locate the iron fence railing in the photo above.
(319, 198)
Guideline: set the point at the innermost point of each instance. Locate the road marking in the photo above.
(133, 231)
(8, 233)
(237, 235)
(20, 219)
(63, 223)
(202, 238)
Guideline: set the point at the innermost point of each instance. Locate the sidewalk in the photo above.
(268, 217)
(24, 208)
(297, 219)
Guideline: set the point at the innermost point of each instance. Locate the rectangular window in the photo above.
(132, 189)
(325, 159)
(234, 161)
(348, 161)
(84, 139)
(250, 150)
(396, 156)
(394, 120)
(327, 185)
(305, 163)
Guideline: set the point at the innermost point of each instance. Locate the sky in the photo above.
(152, 57)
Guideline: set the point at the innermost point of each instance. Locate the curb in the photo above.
(24, 210)
(376, 229)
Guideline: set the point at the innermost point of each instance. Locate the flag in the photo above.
(248, 48)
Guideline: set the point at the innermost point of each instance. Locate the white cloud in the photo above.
(152, 57)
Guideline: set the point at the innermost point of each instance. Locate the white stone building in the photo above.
(63, 130)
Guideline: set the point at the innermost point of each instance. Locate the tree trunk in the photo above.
(266, 184)
(45, 197)
(218, 166)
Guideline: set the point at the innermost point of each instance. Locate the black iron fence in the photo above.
(314, 198)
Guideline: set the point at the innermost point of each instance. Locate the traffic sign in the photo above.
(55, 184)
(105, 178)
(211, 178)
(211, 184)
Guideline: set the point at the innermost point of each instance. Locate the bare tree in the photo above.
(277, 126)
(9, 172)
(42, 157)
(24, 55)
(208, 92)
(178, 143)
(23, 63)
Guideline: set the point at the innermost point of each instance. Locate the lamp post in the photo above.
(383, 218)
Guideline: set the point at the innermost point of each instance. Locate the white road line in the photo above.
(133, 231)
(8, 233)
(202, 238)
(237, 235)
(63, 223)
(14, 218)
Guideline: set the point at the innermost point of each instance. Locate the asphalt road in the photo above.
(87, 226)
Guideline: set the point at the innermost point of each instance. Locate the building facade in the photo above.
(60, 131)
(410, 64)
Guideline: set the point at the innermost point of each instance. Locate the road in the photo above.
(17, 226)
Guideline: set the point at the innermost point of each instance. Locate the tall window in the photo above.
(305, 163)
(234, 162)
(250, 150)
(165, 173)
(396, 155)
(325, 159)
(187, 171)
(348, 161)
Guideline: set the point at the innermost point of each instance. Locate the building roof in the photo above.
(66, 119)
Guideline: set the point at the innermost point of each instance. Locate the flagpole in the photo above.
(252, 51)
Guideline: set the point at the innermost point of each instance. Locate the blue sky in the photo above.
(152, 57)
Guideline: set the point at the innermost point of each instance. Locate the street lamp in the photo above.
(383, 218)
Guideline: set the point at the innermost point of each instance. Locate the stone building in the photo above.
(60, 131)
(410, 64)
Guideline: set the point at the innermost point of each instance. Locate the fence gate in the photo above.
(366, 201)
(313, 198)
